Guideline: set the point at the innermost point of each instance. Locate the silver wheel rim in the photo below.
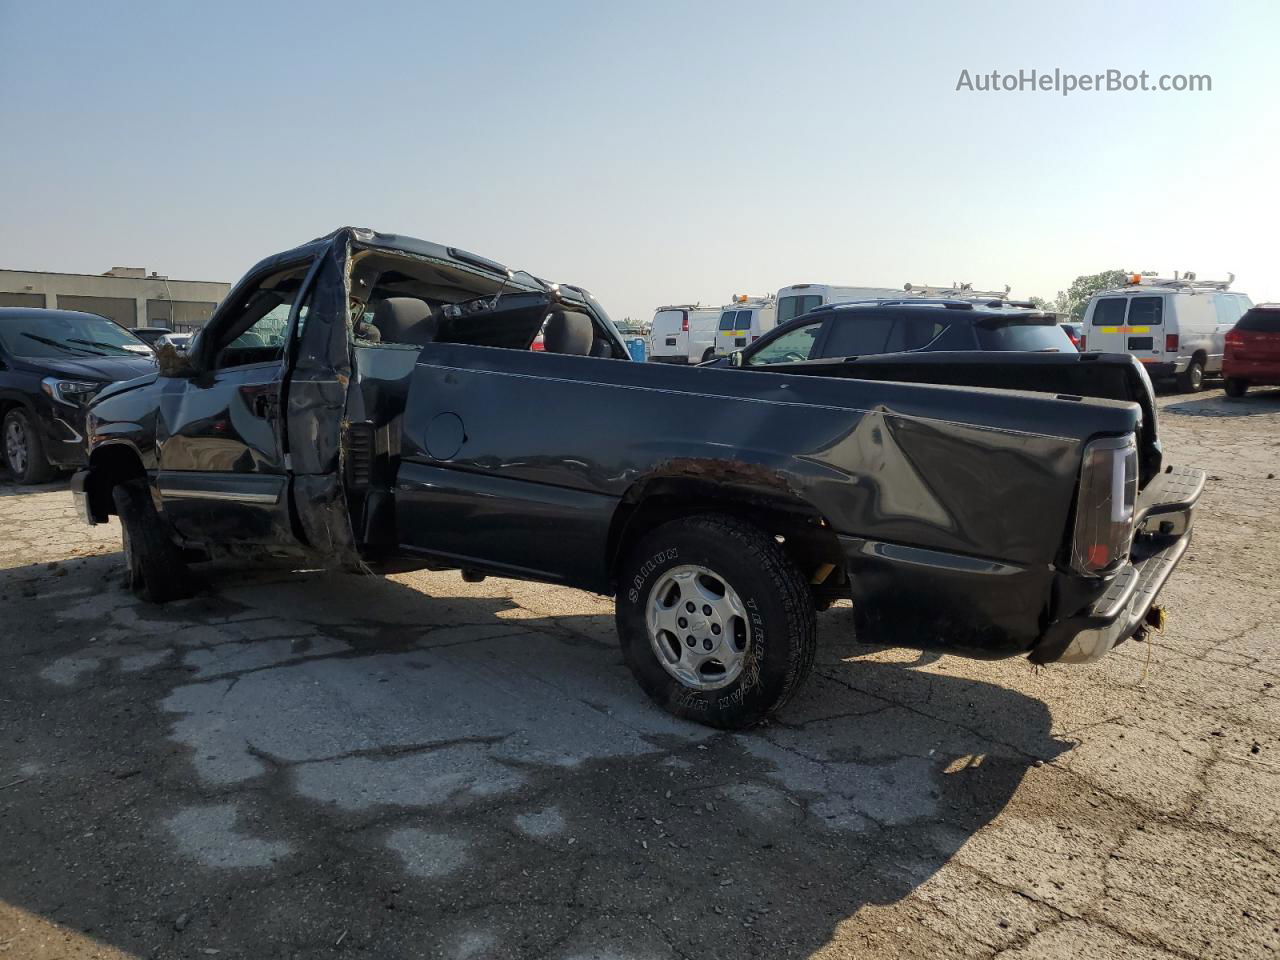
(698, 627)
(15, 446)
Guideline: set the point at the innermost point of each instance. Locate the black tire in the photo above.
(773, 593)
(1192, 379)
(24, 448)
(1236, 387)
(708, 354)
(154, 568)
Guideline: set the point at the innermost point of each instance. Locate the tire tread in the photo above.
(787, 582)
(39, 469)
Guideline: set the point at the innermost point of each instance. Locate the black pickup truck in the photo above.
(372, 401)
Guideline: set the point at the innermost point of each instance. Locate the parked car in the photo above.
(52, 363)
(744, 322)
(1176, 327)
(728, 509)
(874, 327)
(684, 334)
(179, 341)
(150, 335)
(1253, 350)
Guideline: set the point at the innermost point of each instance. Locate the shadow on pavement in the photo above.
(10, 487)
(310, 765)
(1259, 400)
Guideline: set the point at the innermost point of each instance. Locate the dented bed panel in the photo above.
(895, 462)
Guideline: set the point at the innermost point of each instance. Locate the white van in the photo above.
(800, 298)
(1175, 328)
(743, 322)
(684, 333)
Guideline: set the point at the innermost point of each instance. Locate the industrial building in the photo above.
(128, 295)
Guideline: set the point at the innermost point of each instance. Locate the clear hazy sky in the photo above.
(653, 152)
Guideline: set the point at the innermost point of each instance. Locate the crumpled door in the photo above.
(314, 398)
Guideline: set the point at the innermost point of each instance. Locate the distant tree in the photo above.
(1042, 304)
(1075, 298)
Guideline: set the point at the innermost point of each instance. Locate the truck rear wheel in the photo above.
(154, 567)
(716, 621)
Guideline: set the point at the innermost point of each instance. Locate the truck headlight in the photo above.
(1105, 507)
(73, 393)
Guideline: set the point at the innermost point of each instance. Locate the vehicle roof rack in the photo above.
(947, 302)
(1187, 279)
(956, 290)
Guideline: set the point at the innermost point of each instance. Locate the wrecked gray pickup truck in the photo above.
(374, 401)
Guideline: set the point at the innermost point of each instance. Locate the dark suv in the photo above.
(52, 363)
(872, 327)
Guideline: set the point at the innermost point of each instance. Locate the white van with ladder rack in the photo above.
(1175, 327)
(743, 321)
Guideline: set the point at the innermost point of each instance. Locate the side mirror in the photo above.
(735, 358)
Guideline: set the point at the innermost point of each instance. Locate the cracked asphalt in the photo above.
(298, 765)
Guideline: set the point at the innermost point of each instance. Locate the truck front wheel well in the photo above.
(802, 532)
(109, 466)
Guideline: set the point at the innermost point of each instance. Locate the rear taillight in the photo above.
(1235, 338)
(1171, 343)
(684, 322)
(1083, 340)
(1104, 511)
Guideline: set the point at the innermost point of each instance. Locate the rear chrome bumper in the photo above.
(1117, 616)
(1165, 514)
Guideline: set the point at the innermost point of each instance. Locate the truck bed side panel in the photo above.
(979, 473)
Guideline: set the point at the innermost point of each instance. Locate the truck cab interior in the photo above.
(405, 302)
(401, 307)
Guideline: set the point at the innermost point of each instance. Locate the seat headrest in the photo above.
(404, 320)
(569, 333)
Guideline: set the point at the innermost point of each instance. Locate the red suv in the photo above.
(1253, 350)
